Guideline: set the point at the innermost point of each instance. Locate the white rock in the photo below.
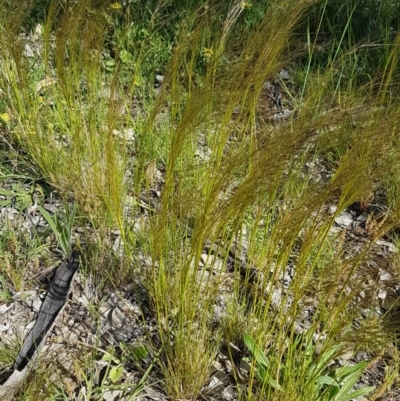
(159, 78)
(203, 154)
(362, 218)
(388, 245)
(29, 326)
(112, 395)
(4, 308)
(332, 209)
(382, 294)
(335, 230)
(127, 135)
(4, 327)
(284, 74)
(344, 219)
(37, 32)
(214, 384)
(45, 83)
(267, 85)
(228, 394)
(28, 51)
(212, 262)
(385, 276)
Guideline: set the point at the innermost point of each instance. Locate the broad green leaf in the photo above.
(274, 384)
(355, 394)
(328, 355)
(326, 380)
(348, 378)
(110, 358)
(17, 188)
(255, 351)
(116, 373)
(62, 232)
(125, 57)
(49, 220)
(262, 361)
(344, 372)
(6, 192)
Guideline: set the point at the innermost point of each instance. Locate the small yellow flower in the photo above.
(207, 52)
(5, 117)
(116, 6)
(245, 5)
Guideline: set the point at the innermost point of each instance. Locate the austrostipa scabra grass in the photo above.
(236, 233)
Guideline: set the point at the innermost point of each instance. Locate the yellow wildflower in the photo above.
(207, 52)
(245, 4)
(116, 6)
(5, 117)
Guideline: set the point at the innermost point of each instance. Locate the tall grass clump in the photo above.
(240, 246)
(202, 193)
(59, 115)
(253, 191)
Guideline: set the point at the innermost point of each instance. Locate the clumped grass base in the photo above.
(255, 191)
